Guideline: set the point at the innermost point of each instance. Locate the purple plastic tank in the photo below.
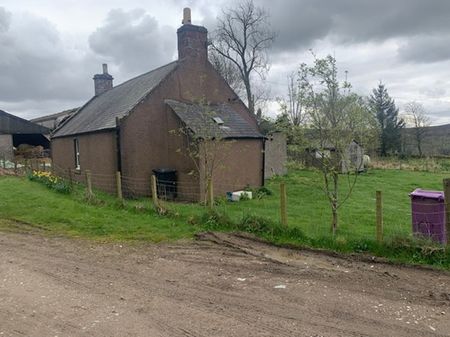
(428, 214)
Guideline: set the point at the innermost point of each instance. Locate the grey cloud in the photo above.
(34, 63)
(426, 49)
(134, 41)
(300, 22)
(5, 20)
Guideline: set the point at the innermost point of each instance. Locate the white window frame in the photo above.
(76, 147)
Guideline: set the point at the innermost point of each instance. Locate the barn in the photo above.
(15, 131)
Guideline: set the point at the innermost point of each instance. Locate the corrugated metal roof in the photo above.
(10, 124)
(101, 111)
(200, 119)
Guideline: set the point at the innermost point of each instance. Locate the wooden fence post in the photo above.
(210, 196)
(447, 209)
(283, 200)
(89, 184)
(119, 186)
(379, 216)
(154, 192)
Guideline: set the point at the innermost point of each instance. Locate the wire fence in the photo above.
(22, 166)
(296, 206)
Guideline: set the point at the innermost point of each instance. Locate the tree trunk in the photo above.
(250, 98)
(419, 145)
(334, 204)
(334, 221)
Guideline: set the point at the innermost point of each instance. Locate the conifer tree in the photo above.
(385, 111)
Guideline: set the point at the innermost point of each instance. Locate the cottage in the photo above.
(129, 127)
(15, 131)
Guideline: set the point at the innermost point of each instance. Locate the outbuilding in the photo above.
(16, 131)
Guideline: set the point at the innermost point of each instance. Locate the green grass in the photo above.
(25, 202)
(309, 210)
(30, 202)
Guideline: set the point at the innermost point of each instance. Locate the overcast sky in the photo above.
(50, 50)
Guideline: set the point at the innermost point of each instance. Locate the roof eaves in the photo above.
(85, 133)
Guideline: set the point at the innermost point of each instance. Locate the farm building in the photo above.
(132, 127)
(15, 131)
(54, 120)
(351, 160)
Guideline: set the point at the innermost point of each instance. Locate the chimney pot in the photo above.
(192, 39)
(186, 16)
(103, 82)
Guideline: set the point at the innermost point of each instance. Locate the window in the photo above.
(218, 120)
(76, 147)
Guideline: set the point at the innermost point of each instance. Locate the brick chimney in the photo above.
(103, 82)
(192, 40)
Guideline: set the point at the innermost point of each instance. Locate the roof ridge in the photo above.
(111, 104)
(142, 75)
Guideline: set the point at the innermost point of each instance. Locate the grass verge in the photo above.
(28, 205)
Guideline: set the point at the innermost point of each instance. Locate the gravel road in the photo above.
(218, 285)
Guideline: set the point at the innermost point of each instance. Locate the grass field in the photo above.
(308, 208)
(26, 202)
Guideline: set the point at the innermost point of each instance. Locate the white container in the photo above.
(236, 196)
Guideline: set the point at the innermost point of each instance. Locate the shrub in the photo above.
(51, 181)
(213, 219)
(256, 224)
(258, 193)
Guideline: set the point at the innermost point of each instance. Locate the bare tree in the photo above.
(243, 37)
(228, 71)
(416, 115)
(294, 105)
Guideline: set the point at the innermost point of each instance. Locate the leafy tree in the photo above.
(294, 134)
(390, 125)
(416, 115)
(336, 118)
(242, 39)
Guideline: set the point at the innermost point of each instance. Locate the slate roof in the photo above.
(199, 119)
(101, 111)
(53, 116)
(10, 124)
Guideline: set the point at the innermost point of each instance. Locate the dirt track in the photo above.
(231, 287)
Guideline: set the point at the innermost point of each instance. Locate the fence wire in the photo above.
(313, 217)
